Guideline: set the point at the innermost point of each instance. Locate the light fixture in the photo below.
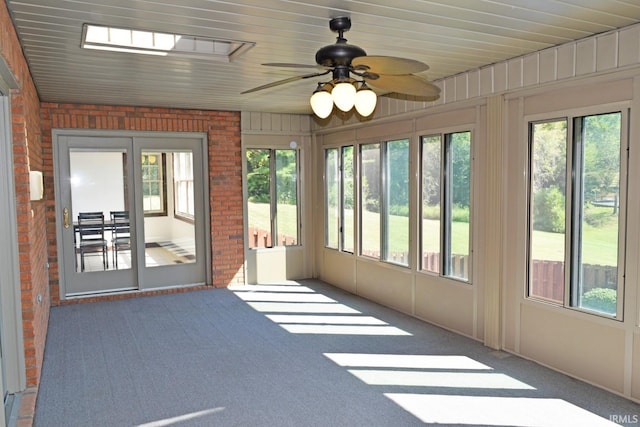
(344, 95)
(321, 102)
(365, 100)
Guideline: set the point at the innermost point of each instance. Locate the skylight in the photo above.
(163, 44)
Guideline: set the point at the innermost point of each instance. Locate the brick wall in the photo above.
(31, 216)
(225, 171)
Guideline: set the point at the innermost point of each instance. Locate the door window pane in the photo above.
(548, 207)
(370, 200)
(154, 185)
(98, 187)
(431, 197)
(170, 239)
(183, 185)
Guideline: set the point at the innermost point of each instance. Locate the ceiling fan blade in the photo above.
(389, 65)
(406, 84)
(290, 65)
(284, 81)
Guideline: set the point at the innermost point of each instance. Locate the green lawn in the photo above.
(600, 245)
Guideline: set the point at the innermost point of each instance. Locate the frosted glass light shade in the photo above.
(366, 101)
(321, 103)
(344, 96)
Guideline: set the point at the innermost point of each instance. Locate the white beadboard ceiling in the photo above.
(451, 36)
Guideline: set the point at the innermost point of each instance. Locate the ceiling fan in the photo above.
(386, 73)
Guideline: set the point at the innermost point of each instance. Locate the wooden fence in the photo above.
(547, 278)
(259, 238)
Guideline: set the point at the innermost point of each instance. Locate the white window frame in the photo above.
(445, 207)
(571, 222)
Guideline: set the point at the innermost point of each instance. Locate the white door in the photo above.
(132, 212)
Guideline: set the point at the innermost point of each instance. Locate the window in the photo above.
(384, 190)
(183, 186)
(431, 199)
(348, 219)
(332, 197)
(339, 232)
(575, 254)
(547, 210)
(154, 184)
(446, 204)
(272, 197)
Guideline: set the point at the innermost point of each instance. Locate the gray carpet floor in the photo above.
(295, 354)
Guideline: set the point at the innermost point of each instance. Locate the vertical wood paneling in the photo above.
(449, 92)
(275, 123)
(492, 248)
(256, 121)
(486, 80)
(548, 65)
(629, 46)
(474, 83)
(462, 87)
(585, 57)
(530, 70)
(566, 60)
(606, 52)
(500, 77)
(515, 73)
(265, 121)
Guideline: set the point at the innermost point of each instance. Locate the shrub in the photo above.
(460, 213)
(399, 210)
(548, 210)
(597, 217)
(431, 212)
(600, 299)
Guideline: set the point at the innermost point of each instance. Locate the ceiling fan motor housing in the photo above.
(340, 53)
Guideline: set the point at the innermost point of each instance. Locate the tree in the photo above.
(460, 157)
(258, 179)
(601, 140)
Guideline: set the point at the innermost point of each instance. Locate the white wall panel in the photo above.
(486, 80)
(530, 70)
(629, 46)
(445, 302)
(566, 60)
(474, 83)
(500, 77)
(340, 269)
(449, 91)
(515, 73)
(462, 86)
(607, 52)
(635, 379)
(570, 343)
(384, 284)
(585, 57)
(548, 68)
